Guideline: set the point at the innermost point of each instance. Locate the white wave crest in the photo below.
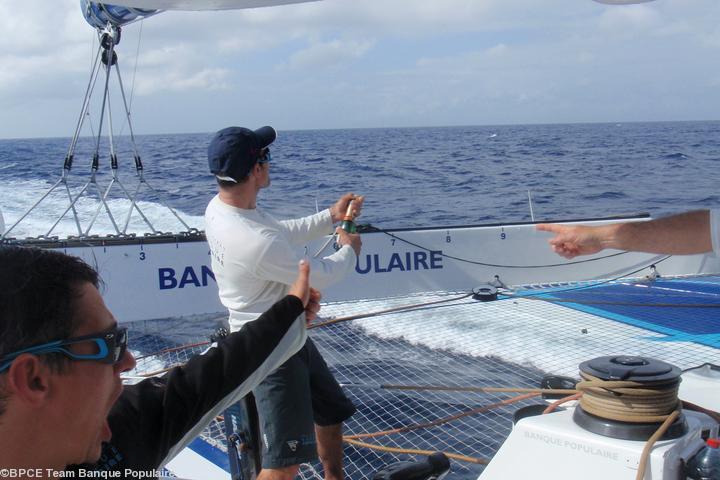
(18, 196)
(547, 336)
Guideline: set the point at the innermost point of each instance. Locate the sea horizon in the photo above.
(589, 122)
(412, 177)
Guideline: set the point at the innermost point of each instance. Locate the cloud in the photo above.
(328, 54)
(40, 28)
(39, 47)
(498, 50)
(371, 63)
(180, 81)
(630, 20)
(712, 38)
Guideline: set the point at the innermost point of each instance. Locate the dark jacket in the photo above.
(154, 419)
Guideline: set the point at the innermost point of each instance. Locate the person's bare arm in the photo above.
(682, 234)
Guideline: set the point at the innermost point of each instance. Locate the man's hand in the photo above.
(571, 241)
(307, 295)
(338, 210)
(352, 239)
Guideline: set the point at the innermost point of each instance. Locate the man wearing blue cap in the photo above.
(254, 260)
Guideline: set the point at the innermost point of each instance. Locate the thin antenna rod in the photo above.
(532, 215)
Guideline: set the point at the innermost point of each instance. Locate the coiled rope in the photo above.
(625, 401)
(633, 402)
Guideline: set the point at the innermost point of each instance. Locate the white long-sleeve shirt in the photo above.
(255, 260)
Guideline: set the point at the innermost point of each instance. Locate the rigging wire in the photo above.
(134, 75)
(590, 285)
(370, 229)
(85, 115)
(93, 38)
(401, 308)
(137, 56)
(712, 366)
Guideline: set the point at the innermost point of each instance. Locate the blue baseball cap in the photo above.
(234, 150)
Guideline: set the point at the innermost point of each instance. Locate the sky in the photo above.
(368, 63)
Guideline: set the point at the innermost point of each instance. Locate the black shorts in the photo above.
(300, 394)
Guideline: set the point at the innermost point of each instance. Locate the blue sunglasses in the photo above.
(111, 345)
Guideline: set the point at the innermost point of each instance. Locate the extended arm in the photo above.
(683, 234)
(278, 263)
(302, 230)
(156, 418)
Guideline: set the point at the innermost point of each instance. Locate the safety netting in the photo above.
(429, 372)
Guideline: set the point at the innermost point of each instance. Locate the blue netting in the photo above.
(686, 310)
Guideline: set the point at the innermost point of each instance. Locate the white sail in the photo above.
(203, 4)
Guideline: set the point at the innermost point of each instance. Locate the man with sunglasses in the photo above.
(61, 355)
(252, 259)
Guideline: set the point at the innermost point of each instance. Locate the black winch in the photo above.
(651, 375)
(485, 293)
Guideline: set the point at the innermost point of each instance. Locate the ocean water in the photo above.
(411, 177)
